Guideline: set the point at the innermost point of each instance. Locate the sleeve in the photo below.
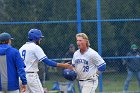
(99, 62)
(39, 53)
(49, 62)
(73, 60)
(20, 68)
(97, 59)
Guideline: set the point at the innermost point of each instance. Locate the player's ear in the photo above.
(88, 44)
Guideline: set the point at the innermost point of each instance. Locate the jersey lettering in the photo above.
(79, 61)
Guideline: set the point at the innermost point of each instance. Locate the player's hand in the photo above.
(23, 88)
(69, 66)
(95, 77)
(65, 65)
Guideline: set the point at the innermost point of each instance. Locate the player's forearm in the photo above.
(61, 65)
(49, 62)
(55, 64)
(65, 65)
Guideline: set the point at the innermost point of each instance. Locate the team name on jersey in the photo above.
(79, 61)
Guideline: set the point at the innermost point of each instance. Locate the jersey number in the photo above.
(85, 68)
(23, 54)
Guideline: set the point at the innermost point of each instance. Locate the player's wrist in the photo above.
(61, 65)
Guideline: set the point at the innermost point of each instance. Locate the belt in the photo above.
(85, 80)
(30, 72)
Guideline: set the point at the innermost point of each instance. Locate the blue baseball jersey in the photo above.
(11, 68)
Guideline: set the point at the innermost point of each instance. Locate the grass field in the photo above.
(112, 82)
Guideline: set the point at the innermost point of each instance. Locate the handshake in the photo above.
(65, 65)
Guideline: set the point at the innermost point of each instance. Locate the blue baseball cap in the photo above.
(5, 36)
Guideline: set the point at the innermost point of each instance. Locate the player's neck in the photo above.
(83, 50)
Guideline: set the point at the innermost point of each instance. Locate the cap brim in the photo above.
(42, 36)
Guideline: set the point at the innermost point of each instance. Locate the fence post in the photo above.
(78, 26)
(99, 39)
(78, 16)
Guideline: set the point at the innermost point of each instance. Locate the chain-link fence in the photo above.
(60, 20)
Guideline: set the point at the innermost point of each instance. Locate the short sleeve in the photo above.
(97, 59)
(39, 53)
(73, 59)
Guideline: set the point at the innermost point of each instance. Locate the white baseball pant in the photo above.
(33, 83)
(88, 86)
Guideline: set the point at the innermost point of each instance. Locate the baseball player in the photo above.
(88, 64)
(32, 53)
(11, 67)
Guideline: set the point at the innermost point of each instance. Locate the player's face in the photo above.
(81, 43)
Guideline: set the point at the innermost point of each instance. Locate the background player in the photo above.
(32, 53)
(11, 67)
(133, 67)
(88, 64)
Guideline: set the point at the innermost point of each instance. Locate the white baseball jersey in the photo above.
(32, 54)
(87, 64)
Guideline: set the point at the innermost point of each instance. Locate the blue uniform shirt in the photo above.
(11, 68)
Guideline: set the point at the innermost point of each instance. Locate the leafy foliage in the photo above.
(116, 36)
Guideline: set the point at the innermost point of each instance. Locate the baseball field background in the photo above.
(112, 26)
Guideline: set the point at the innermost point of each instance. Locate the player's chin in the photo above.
(79, 46)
